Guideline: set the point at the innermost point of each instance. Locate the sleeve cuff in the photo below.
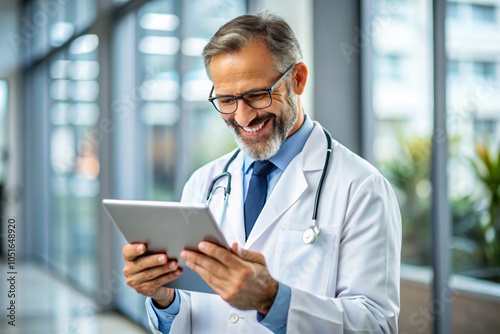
(162, 318)
(277, 317)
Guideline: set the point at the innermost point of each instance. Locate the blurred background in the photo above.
(108, 99)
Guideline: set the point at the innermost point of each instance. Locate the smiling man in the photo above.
(340, 275)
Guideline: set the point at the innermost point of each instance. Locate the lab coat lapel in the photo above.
(233, 222)
(292, 184)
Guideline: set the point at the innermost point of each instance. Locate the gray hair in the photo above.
(271, 29)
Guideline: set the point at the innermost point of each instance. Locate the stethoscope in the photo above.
(312, 233)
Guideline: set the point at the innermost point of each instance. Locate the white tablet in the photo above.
(168, 227)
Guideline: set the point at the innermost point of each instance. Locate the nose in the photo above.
(244, 114)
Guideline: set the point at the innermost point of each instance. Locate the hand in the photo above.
(240, 277)
(146, 274)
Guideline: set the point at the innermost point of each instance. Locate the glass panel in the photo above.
(61, 23)
(474, 131)
(74, 113)
(402, 106)
(484, 13)
(209, 136)
(159, 81)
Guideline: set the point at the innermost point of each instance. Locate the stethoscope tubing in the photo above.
(323, 174)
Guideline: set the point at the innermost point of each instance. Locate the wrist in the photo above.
(268, 302)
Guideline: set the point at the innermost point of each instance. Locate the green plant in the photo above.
(487, 169)
(408, 172)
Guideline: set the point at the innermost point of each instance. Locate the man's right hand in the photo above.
(146, 274)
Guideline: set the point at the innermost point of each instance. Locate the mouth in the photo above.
(255, 130)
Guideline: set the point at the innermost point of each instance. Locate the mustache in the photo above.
(255, 121)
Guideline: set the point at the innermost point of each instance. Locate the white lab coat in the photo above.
(346, 282)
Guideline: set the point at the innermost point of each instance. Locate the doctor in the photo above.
(344, 281)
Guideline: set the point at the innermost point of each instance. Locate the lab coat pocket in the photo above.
(305, 266)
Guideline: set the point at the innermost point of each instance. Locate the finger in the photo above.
(248, 255)
(148, 288)
(221, 254)
(132, 251)
(144, 262)
(208, 263)
(152, 274)
(213, 281)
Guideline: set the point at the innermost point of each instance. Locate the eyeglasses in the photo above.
(256, 99)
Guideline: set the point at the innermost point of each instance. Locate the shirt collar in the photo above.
(288, 150)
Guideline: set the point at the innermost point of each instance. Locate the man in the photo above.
(347, 281)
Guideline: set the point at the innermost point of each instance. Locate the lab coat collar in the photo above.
(314, 153)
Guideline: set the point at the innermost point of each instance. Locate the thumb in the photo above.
(248, 255)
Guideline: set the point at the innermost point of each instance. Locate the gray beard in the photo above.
(268, 147)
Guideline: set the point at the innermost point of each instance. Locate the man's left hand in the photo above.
(240, 277)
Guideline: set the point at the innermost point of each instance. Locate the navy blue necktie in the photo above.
(257, 193)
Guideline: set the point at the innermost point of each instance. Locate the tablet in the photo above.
(168, 227)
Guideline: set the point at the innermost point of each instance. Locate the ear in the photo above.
(299, 78)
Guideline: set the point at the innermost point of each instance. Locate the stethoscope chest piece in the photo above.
(311, 234)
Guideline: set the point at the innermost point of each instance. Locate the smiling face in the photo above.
(259, 132)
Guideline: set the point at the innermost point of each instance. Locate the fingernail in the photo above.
(140, 248)
(177, 273)
(172, 266)
(240, 250)
(203, 246)
(162, 259)
(184, 254)
(188, 264)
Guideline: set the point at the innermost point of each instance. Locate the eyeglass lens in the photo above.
(256, 100)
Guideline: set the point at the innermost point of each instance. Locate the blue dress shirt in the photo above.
(277, 317)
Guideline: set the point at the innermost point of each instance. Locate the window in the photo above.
(158, 47)
(402, 136)
(389, 66)
(63, 159)
(486, 128)
(484, 13)
(484, 70)
(452, 10)
(74, 158)
(453, 69)
(473, 117)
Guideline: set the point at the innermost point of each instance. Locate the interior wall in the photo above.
(10, 71)
(337, 93)
(470, 314)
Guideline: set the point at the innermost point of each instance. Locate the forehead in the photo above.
(250, 68)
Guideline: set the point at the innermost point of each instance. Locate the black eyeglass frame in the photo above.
(242, 96)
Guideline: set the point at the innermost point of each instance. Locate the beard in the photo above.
(268, 145)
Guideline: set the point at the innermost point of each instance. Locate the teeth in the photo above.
(255, 128)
